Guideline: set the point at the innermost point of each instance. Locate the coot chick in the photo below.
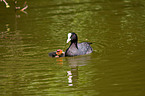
(76, 48)
(58, 53)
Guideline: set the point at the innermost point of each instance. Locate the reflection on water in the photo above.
(75, 63)
(28, 34)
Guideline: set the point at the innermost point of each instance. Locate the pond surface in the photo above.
(115, 68)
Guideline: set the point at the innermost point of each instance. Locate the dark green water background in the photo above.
(115, 68)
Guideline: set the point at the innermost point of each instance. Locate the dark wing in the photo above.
(85, 48)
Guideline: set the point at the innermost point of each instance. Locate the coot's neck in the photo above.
(75, 43)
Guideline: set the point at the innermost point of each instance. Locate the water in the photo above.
(115, 68)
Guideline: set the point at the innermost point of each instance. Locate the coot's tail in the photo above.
(89, 42)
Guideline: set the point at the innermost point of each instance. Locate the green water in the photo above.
(115, 68)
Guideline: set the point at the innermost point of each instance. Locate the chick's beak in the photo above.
(59, 52)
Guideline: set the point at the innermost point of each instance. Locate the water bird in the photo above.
(76, 48)
(58, 53)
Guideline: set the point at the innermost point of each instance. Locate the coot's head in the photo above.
(59, 52)
(72, 37)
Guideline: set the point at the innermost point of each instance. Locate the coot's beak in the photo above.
(69, 37)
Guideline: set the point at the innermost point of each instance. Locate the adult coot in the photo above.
(76, 48)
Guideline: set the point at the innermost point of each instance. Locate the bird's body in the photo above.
(58, 53)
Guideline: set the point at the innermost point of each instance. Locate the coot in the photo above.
(76, 48)
(58, 53)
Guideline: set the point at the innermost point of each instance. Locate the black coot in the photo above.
(76, 48)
